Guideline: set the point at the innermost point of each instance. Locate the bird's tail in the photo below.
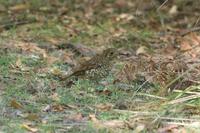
(66, 76)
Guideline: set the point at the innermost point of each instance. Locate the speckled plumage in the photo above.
(97, 67)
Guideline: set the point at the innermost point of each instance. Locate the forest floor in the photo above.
(152, 87)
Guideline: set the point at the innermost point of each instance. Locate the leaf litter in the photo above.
(143, 66)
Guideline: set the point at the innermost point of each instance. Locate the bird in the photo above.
(96, 68)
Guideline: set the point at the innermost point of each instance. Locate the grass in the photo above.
(34, 92)
(24, 90)
(82, 94)
(36, 89)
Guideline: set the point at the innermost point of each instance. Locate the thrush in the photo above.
(96, 68)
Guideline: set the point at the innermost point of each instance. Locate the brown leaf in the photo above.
(117, 32)
(18, 63)
(167, 128)
(195, 39)
(140, 128)
(70, 106)
(112, 124)
(128, 73)
(2, 8)
(47, 108)
(93, 118)
(29, 128)
(15, 104)
(50, 60)
(185, 45)
(30, 47)
(55, 97)
(104, 92)
(54, 108)
(54, 41)
(78, 117)
(125, 17)
(19, 7)
(19, 66)
(84, 50)
(141, 50)
(104, 107)
(173, 10)
(67, 58)
(189, 41)
(57, 108)
(32, 117)
(56, 72)
(121, 3)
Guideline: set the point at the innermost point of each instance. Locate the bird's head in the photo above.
(110, 53)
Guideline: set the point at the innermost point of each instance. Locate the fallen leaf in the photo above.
(114, 124)
(71, 106)
(78, 117)
(50, 60)
(57, 108)
(93, 118)
(32, 117)
(2, 8)
(47, 108)
(30, 47)
(81, 49)
(185, 45)
(56, 72)
(121, 3)
(27, 127)
(173, 10)
(19, 7)
(117, 32)
(45, 9)
(15, 104)
(18, 63)
(141, 50)
(104, 92)
(125, 17)
(55, 97)
(104, 107)
(189, 41)
(128, 73)
(67, 58)
(167, 128)
(54, 41)
(19, 66)
(140, 128)
(107, 124)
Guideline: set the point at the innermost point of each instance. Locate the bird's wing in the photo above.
(88, 65)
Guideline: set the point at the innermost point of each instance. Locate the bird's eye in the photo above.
(111, 53)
